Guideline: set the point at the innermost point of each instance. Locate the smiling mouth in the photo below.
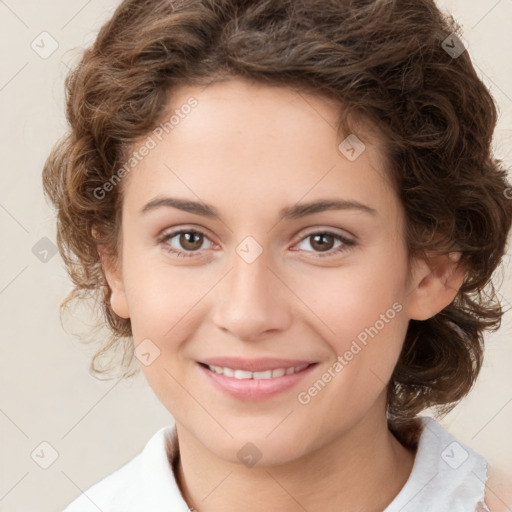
(264, 375)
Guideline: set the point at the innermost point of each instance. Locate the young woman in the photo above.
(290, 213)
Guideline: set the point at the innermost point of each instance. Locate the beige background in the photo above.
(47, 393)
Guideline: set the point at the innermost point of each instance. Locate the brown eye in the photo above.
(324, 242)
(190, 240)
(186, 242)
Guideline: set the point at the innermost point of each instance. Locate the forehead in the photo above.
(257, 146)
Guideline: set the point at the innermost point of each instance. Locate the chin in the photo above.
(256, 448)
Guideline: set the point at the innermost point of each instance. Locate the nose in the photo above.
(252, 301)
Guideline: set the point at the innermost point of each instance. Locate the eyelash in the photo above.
(347, 243)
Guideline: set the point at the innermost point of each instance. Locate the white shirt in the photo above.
(447, 476)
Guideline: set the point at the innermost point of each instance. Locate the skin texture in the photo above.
(498, 490)
(250, 150)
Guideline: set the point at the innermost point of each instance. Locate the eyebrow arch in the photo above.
(291, 212)
(301, 210)
(186, 205)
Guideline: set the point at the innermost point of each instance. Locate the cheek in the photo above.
(160, 300)
(161, 296)
(367, 326)
(358, 301)
(163, 307)
(361, 316)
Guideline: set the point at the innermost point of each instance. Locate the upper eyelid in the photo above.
(331, 231)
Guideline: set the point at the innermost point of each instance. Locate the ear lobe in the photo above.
(435, 285)
(113, 274)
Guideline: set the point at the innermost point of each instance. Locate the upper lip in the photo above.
(254, 365)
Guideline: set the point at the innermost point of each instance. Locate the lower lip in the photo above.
(255, 389)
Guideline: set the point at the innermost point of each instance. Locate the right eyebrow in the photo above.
(186, 205)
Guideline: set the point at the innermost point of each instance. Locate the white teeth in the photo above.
(278, 372)
(242, 374)
(228, 372)
(266, 374)
(263, 375)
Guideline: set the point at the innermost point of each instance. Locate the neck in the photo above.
(362, 470)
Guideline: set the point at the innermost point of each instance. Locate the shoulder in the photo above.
(146, 478)
(103, 493)
(498, 489)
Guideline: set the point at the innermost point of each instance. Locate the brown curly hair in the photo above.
(383, 60)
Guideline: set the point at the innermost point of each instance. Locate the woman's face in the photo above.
(255, 274)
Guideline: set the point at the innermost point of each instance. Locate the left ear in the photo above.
(434, 285)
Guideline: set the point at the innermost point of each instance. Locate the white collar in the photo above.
(147, 482)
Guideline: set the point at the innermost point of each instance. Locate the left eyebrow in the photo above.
(291, 212)
(301, 210)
